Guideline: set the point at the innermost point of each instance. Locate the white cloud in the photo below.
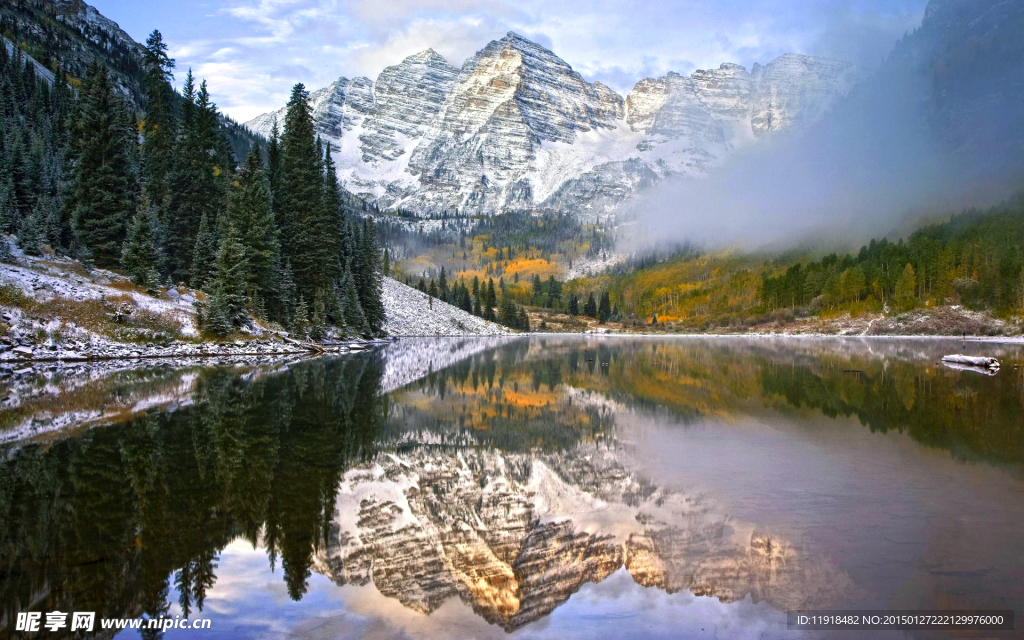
(248, 49)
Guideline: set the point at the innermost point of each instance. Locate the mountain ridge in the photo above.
(519, 129)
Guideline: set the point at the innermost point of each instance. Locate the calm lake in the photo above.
(601, 487)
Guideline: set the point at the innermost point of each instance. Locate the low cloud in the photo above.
(874, 166)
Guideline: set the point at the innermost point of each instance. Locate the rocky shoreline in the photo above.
(17, 354)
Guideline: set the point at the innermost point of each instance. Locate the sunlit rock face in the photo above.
(509, 99)
(516, 128)
(515, 535)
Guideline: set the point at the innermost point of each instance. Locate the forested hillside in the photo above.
(159, 194)
(974, 260)
(70, 36)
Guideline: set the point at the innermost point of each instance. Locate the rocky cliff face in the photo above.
(515, 535)
(517, 129)
(795, 89)
(508, 101)
(83, 37)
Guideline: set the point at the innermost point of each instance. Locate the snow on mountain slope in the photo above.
(374, 126)
(413, 313)
(41, 71)
(516, 128)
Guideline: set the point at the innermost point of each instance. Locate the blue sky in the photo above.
(252, 51)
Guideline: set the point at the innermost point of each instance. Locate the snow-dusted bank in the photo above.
(54, 309)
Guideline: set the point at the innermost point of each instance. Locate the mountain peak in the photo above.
(427, 55)
(522, 43)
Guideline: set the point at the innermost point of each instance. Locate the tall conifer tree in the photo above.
(160, 127)
(301, 186)
(140, 255)
(105, 189)
(366, 272)
(228, 301)
(199, 179)
(250, 212)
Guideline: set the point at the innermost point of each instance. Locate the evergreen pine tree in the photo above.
(326, 245)
(287, 295)
(274, 168)
(204, 255)
(249, 210)
(590, 308)
(199, 178)
(365, 270)
(300, 319)
(105, 188)
(490, 299)
(227, 309)
(442, 286)
(9, 216)
(574, 305)
(31, 233)
(508, 313)
(140, 256)
(353, 310)
(159, 131)
(524, 320)
(301, 186)
(318, 323)
(604, 310)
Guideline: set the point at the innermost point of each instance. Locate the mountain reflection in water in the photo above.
(509, 475)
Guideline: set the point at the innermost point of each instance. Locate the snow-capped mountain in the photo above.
(516, 128)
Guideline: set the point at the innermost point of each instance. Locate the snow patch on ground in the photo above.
(49, 277)
(411, 312)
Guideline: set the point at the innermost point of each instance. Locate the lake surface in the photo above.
(601, 487)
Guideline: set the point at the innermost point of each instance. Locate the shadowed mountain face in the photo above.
(500, 479)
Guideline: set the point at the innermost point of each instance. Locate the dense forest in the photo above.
(976, 259)
(159, 194)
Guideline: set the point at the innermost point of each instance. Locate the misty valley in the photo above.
(535, 487)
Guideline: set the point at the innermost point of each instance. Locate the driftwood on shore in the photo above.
(308, 346)
(985, 362)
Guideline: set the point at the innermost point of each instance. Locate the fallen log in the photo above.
(985, 371)
(308, 346)
(985, 362)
